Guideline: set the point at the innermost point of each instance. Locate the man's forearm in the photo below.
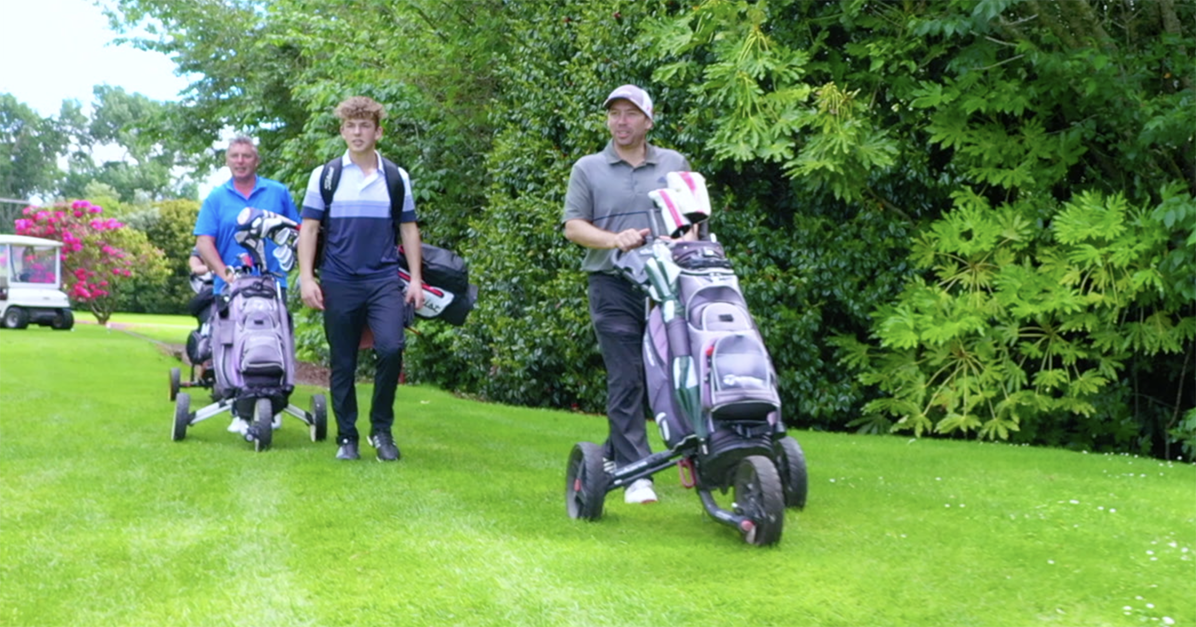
(586, 234)
(308, 233)
(413, 251)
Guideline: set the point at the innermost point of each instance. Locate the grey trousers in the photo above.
(617, 312)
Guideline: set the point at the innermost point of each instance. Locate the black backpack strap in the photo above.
(330, 177)
(397, 191)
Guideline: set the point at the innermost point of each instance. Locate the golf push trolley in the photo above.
(250, 342)
(711, 385)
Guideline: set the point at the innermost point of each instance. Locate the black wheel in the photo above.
(263, 424)
(16, 318)
(759, 496)
(175, 382)
(63, 320)
(319, 418)
(585, 482)
(182, 416)
(791, 463)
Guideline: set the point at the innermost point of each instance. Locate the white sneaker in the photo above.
(239, 425)
(640, 491)
(277, 424)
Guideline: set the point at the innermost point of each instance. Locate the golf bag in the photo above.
(199, 346)
(735, 409)
(253, 346)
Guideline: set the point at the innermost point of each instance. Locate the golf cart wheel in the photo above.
(182, 416)
(585, 482)
(760, 497)
(263, 424)
(16, 318)
(319, 418)
(175, 382)
(791, 463)
(63, 320)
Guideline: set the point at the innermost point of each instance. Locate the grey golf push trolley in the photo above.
(250, 343)
(712, 391)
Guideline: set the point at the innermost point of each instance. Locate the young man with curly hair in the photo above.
(358, 285)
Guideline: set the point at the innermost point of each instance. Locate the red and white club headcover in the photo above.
(693, 185)
(672, 210)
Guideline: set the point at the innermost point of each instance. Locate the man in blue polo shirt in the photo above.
(216, 226)
(358, 284)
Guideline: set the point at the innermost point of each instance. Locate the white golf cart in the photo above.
(30, 278)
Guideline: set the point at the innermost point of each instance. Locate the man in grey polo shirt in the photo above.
(607, 208)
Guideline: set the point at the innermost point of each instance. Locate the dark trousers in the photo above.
(348, 307)
(617, 311)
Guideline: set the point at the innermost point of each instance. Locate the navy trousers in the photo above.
(348, 308)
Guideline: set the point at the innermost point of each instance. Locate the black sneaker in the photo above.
(385, 443)
(348, 450)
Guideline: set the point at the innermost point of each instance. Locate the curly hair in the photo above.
(360, 108)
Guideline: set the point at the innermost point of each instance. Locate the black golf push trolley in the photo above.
(712, 392)
(248, 335)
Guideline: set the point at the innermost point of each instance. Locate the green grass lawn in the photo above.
(161, 327)
(105, 521)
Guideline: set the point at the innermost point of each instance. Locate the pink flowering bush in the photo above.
(98, 253)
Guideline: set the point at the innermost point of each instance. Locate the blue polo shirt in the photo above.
(359, 234)
(218, 219)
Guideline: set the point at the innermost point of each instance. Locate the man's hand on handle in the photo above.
(630, 239)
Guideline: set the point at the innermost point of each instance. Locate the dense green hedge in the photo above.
(838, 139)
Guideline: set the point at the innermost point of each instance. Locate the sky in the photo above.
(58, 49)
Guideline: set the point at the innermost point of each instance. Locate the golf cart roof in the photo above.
(25, 240)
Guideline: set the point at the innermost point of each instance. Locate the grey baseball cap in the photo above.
(634, 95)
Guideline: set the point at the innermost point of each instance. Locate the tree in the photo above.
(168, 226)
(99, 256)
(150, 163)
(29, 149)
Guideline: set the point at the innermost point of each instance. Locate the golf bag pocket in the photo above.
(717, 307)
(741, 381)
(261, 355)
(199, 346)
(721, 317)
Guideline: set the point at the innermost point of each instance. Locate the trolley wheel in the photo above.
(263, 424)
(63, 320)
(182, 416)
(16, 318)
(585, 482)
(791, 463)
(760, 497)
(319, 418)
(176, 377)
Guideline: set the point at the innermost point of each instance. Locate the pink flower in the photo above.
(79, 204)
(95, 209)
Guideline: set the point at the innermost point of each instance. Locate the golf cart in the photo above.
(30, 281)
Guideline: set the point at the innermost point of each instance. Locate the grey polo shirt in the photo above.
(606, 191)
